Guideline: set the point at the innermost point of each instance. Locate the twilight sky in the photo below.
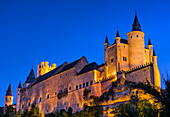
(56, 31)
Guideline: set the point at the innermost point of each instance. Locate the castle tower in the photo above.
(136, 45)
(106, 45)
(18, 96)
(150, 47)
(31, 77)
(157, 79)
(8, 97)
(118, 51)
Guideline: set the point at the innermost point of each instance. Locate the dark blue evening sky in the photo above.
(56, 31)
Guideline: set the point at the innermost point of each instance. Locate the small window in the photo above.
(40, 100)
(47, 96)
(28, 104)
(77, 87)
(83, 85)
(77, 104)
(87, 84)
(131, 37)
(91, 82)
(124, 59)
(66, 74)
(60, 76)
(22, 107)
(55, 93)
(116, 57)
(136, 35)
(66, 107)
(111, 60)
(60, 91)
(69, 88)
(80, 86)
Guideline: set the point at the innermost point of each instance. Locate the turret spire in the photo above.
(154, 52)
(149, 42)
(136, 25)
(106, 40)
(117, 34)
(19, 86)
(31, 77)
(9, 91)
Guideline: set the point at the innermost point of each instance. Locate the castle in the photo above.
(60, 87)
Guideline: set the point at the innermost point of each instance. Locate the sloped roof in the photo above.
(55, 71)
(9, 91)
(123, 41)
(31, 77)
(88, 68)
(69, 66)
(46, 76)
(136, 25)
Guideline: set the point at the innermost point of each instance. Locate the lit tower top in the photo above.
(136, 25)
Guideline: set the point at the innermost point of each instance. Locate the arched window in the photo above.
(39, 99)
(91, 82)
(47, 96)
(80, 86)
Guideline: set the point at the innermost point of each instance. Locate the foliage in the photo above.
(70, 110)
(136, 108)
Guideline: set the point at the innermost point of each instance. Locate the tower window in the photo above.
(111, 60)
(60, 76)
(77, 104)
(136, 35)
(77, 87)
(66, 74)
(131, 37)
(69, 88)
(124, 59)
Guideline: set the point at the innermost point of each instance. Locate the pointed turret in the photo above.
(19, 86)
(106, 40)
(154, 52)
(136, 25)
(117, 34)
(149, 42)
(31, 77)
(9, 91)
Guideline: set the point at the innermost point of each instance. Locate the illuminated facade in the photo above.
(61, 87)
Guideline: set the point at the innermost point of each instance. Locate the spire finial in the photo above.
(136, 25)
(106, 40)
(149, 41)
(117, 34)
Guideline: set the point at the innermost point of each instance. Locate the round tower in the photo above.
(157, 78)
(18, 96)
(8, 97)
(106, 45)
(136, 45)
(150, 47)
(118, 51)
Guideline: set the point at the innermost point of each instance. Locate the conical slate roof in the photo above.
(31, 77)
(149, 42)
(154, 53)
(117, 34)
(19, 86)
(9, 91)
(106, 40)
(136, 25)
